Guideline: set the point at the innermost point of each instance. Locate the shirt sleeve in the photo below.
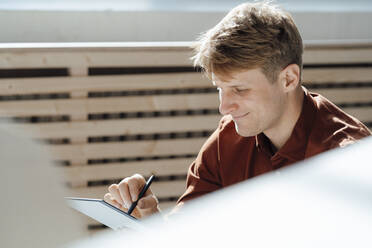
(203, 174)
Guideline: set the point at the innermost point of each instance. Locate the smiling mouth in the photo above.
(239, 116)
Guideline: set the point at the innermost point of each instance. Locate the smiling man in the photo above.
(254, 58)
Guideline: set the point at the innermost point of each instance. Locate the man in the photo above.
(254, 58)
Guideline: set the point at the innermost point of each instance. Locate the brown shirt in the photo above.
(227, 158)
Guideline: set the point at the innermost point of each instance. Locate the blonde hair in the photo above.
(252, 35)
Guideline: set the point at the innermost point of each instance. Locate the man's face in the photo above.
(255, 104)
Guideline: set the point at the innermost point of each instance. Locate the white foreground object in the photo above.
(324, 201)
(32, 210)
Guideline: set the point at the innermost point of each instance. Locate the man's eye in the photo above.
(240, 90)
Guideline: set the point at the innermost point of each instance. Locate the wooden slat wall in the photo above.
(108, 111)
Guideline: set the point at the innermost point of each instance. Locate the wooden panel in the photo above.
(46, 47)
(127, 149)
(337, 55)
(339, 75)
(142, 126)
(103, 83)
(158, 81)
(108, 105)
(151, 55)
(95, 59)
(150, 103)
(347, 95)
(121, 127)
(160, 189)
(121, 170)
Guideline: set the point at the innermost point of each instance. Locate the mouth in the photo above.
(237, 117)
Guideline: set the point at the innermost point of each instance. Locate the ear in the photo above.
(290, 77)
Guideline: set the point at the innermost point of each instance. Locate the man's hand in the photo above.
(122, 196)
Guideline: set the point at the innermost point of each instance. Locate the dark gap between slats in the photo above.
(355, 105)
(61, 163)
(137, 159)
(62, 141)
(344, 85)
(27, 97)
(41, 119)
(150, 92)
(139, 70)
(331, 65)
(34, 72)
(154, 136)
(125, 138)
(150, 114)
(95, 183)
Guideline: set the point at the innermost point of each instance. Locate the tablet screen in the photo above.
(104, 213)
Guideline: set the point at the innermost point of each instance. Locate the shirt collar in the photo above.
(295, 147)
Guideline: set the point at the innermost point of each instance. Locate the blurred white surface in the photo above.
(32, 209)
(322, 202)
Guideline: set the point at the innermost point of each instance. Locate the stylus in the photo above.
(141, 194)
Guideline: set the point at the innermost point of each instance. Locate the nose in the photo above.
(228, 103)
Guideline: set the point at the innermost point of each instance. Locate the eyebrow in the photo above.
(234, 85)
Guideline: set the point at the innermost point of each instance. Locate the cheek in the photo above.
(266, 107)
(275, 107)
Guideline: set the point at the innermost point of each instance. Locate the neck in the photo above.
(279, 134)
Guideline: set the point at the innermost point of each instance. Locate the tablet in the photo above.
(104, 213)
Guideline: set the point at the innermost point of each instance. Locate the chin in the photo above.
(245, 132)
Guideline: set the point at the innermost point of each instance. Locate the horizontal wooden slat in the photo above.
(24, 47)
(85, 173)
(142, 126)
(96, 59)
(108, 105)
(349, 95)
(158, 81)
(103, 83)
(339, 55)
(154, 54)
(150, 103)
(160, 189)
(121, 127)
(339, 75)
(127, 149)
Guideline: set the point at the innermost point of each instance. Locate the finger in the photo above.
(148, 202)
(110, 200)
(124, 192)
(114, 191)
(136, 185)
(136, 213)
